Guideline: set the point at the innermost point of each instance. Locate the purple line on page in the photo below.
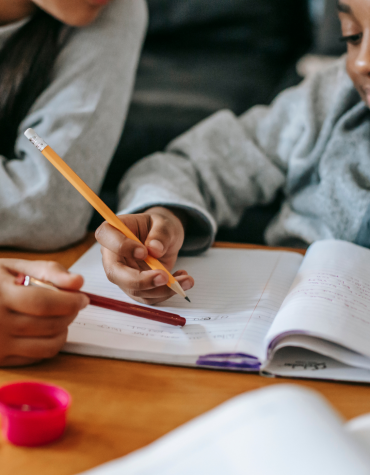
(282, 335)
(230, 360)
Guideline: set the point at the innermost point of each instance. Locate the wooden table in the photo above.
(120, 406)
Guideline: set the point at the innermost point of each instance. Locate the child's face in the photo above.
(355, 19)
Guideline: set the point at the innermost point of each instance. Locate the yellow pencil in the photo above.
(97, 203)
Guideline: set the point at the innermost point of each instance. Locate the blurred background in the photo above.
(204, 55)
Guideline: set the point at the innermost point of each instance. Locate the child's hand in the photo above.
(162, 232)
(34, 321)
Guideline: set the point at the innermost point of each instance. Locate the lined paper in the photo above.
(236, 296)
(330, 297)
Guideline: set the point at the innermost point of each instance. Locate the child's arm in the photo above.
(34, 321)
(226, 164)
(222, 166)
(211, 174)
(81, 115)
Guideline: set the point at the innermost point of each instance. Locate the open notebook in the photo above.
(279, 430)
(253, 310)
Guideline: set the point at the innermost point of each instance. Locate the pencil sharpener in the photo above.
(33, 413)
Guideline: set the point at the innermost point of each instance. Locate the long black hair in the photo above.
(26, 66)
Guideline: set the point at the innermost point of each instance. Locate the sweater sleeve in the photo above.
(81, 116)
(226, 164)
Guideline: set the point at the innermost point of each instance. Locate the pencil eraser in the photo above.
(35, 139)
(30, 133)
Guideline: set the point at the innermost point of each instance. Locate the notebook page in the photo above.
(282, 429)
(330, 297)
(297, 362)
(235, 298)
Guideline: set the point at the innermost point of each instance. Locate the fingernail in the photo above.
(186, 285)
(157, 245)
(139, 253)
(85, 302)
(159, 280)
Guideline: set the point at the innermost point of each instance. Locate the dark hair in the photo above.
(26, 66)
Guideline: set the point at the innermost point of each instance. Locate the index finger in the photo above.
(110, 238)
(45, 270)
(129, 279)
(42, 302)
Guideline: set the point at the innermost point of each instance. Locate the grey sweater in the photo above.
(312, 143)
(80, 115)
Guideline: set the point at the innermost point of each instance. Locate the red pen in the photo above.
(111, 304)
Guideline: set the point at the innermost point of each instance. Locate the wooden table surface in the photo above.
(121, 406)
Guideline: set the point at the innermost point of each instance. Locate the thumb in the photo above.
(159, 238)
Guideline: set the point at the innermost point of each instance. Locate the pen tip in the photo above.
(187, 298)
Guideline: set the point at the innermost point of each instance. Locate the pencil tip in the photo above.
(187, 298)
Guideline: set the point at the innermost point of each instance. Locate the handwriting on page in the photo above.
(235, 299)
(306, 365)
(344, 290)
(332, 304)
(329, 300)
(122, 325)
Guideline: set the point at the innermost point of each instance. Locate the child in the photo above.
(67, 68)
(313, 143)
(34, 321)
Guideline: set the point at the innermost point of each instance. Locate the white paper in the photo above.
(293, 362)
(330, 298)
(280, 430)
(359, 428)
(236, 296)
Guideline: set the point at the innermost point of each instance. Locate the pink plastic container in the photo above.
(33, 413)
